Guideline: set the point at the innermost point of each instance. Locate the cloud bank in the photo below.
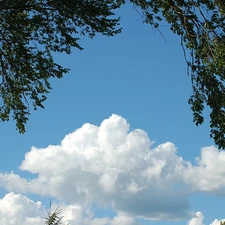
(16, 209)
(114, 166)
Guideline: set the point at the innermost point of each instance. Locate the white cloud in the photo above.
(217, 222)
(122, 220)
(198, 220)
(111, 165)
(16, 209)
(208, 174)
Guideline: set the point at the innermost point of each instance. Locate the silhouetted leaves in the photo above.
(54, 218)
(30, 31)
(201, 27)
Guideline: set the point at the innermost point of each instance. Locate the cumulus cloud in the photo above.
(199, 220)
(114, 166)
(217, 222)
(208, 174)
(17, 209)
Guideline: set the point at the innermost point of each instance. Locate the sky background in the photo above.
(115, 143)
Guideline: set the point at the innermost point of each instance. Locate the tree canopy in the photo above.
(30, 31)
(200, 24)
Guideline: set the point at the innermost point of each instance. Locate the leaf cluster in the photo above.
(200, 24)
(54, 218)
(30, 32)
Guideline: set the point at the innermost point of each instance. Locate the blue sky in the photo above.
(135, 80)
